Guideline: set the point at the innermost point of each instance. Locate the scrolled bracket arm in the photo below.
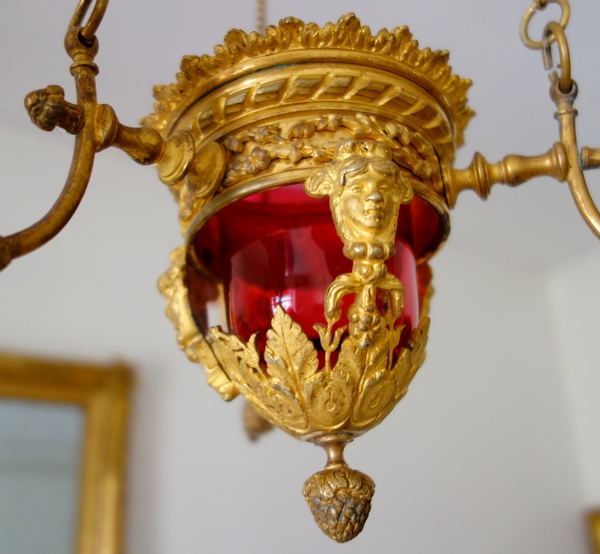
(563, 162)
(96, 127)
(565, 115)
(512, 170)
(48, 109)
(173, 157)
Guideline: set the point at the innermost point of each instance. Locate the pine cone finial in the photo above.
(340, 500)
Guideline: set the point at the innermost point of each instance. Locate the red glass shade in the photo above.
(281, 247)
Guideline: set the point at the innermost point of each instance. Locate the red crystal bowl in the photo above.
(280, 246)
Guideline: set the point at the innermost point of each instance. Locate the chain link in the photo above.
(261, 16)
(554, 31)
(91, 27)
(539, 5)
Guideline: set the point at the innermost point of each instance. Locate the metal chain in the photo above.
(539, 5)
(553, 32)
(563, 92)
(91, 27)
(261, 16)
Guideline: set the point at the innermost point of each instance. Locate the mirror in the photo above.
(40, 463)
(62, 455)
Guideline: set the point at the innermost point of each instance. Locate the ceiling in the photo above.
(141, 44)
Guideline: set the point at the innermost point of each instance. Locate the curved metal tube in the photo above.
(23, 242)
(581, 194)
(566, 118)
(97, 127)
(563, 93)
(563, 161)
(83, 70)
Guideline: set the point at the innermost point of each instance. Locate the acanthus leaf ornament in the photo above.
(284, 385)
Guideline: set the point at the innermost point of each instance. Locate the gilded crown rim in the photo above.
(292, 35)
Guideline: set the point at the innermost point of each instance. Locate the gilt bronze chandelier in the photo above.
(314, 172)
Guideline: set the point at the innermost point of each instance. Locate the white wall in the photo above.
(485, 454)
(575, 304)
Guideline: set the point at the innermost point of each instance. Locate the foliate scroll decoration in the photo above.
(190, 340)
(286, 386)
(202, 181)
(254, 149)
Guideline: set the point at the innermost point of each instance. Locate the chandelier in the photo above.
(314, 172)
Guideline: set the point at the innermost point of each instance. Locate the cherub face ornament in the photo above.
(366, 189)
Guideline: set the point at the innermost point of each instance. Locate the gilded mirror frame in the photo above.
(594, 529)
(103, 393)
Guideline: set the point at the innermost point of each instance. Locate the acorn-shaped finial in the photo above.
(339, 497)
